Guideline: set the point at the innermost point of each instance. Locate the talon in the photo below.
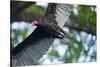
(60, 36)
(62, 33)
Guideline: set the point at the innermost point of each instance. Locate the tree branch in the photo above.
(17, 7)
(74, 23)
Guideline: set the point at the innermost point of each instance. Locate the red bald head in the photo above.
(34, 23)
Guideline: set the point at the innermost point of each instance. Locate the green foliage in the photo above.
(18, 33)
(53, 52)
(73, 52)
(87, 16)
(36, 9)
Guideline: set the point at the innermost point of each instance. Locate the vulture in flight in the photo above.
(29, 51)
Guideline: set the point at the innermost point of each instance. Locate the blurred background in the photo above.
(81, 24)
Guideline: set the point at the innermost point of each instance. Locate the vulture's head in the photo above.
(49, 29)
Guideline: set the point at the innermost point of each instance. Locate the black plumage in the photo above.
(38, 42)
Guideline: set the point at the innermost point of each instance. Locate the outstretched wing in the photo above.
(57, 13)
(30, 50)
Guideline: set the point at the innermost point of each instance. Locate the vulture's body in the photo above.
(38, 42)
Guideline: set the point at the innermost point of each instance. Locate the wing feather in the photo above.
(62, 13)
(31, 54)
(57, 13)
